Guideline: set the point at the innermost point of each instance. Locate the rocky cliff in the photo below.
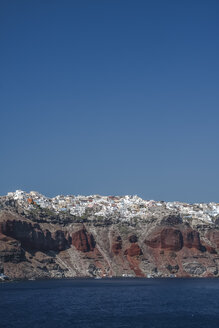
(38, 244)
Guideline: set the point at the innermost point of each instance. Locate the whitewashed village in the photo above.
(122, 207)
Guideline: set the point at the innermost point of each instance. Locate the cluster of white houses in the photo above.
(125, 207)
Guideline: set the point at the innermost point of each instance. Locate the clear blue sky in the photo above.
(110, 97)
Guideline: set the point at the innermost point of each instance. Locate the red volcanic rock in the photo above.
(171, 239)
(154, 240)
(191, 239)
(134, 265)
(174, 247)
(83, 241)
(117, 245)
(133, 250)
(168, 238)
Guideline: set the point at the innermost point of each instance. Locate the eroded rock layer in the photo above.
(163, 245)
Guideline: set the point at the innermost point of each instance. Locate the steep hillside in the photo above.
(37, 242)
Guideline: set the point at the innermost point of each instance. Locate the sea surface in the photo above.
(104, 303)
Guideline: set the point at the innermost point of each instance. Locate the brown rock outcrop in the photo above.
(191, 239)
(154, 240)
(31, 236)
(133, 250)
(42, 249)
(83, 241)
(171, 239)
(168, 238)
(174, 240)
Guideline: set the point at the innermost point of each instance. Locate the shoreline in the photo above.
(120, 278)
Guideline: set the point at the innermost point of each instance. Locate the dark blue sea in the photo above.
(103, 303)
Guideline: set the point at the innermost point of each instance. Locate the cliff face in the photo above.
(162, 246)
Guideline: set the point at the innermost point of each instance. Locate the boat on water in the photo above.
(3, 277)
